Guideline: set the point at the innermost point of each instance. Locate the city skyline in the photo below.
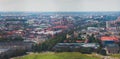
(59, 5)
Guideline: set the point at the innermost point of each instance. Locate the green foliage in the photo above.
(92, 39)
(50, 43)
(86, 50)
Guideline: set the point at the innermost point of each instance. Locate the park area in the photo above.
(61, 55)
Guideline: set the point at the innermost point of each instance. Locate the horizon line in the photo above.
(59, 11)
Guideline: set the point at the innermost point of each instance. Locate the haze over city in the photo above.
(59, 29)
(59, 5)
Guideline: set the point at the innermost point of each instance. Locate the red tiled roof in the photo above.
(107, 38)
(63, 27)
(79, 41)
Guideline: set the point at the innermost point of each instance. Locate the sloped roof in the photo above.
(109, 38)
(64, 27)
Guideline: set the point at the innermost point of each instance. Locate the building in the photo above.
(112, 49)
(109, 38)
(79, 47)
(9, 49)
(109, 45)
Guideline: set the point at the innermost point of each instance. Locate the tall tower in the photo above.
(107, 24)
(75, 34)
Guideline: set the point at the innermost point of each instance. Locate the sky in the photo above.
(59, 5)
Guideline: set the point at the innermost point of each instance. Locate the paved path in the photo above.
(101, 56)
(106, 57)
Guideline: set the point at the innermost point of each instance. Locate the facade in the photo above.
(112, 49)
(79, 47)
(9, 49)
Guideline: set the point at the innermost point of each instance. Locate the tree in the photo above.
(50, 43)
(92, 39)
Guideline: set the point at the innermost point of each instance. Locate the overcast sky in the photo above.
(59, 5)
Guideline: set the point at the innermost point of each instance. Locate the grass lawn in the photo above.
(62, 55)
(115, 55)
